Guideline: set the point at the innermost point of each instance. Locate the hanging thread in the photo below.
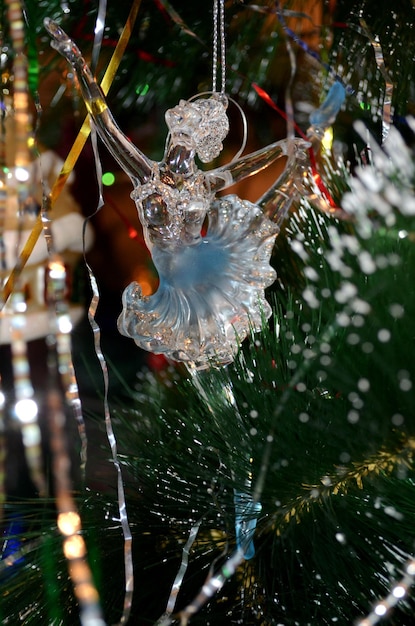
(218, 42)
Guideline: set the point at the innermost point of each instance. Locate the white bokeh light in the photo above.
(21, 174)
(26, 410)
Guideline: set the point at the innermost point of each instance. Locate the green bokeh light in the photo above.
(108, 179)
(142, 90)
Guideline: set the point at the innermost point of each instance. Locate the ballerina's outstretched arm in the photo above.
(131, 159)
(250, 164)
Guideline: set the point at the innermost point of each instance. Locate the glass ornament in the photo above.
(211, 253)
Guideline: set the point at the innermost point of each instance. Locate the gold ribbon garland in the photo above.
(73, 153)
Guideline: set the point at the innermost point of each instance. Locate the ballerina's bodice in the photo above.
(173, 204)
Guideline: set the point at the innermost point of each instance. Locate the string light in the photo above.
(21, 174)
(25, 408)
(398, 591)
(68, 519)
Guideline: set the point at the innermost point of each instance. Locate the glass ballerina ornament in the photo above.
(211, 253)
